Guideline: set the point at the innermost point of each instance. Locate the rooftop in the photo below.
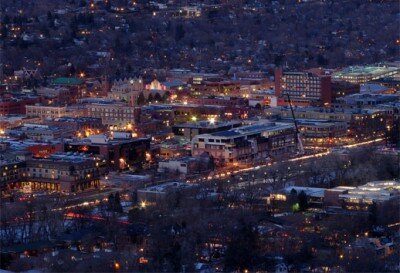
(228, 133)
(356, 71)
(374, 191)
(162, 188)
(67, 81)
(208, 124)
(68, 157)
(310, 191)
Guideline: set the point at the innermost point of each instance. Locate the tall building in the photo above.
(304, 88)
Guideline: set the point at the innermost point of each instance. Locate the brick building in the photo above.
(304, 88)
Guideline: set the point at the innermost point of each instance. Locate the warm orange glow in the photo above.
(117, 266)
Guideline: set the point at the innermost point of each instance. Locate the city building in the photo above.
(40, 132)
(62, 172)
(216, 88)
(374, 88)
(191, 129)
(162, 113)
(75, 85)
(389, 82)
(127, 90)
(112, 113)
(83, 126)
(58, 172)
(45, 111)
(220, 100)
(365, 100)
(362, 197)
(163, 87)
(58, 95)
(11, 172)
(15, 104)
(159, 194)
(363, 74)
(340, 89)
(361, 123)
(173, 149)
(189, 76)
(187, 112)
(11, 121)
(322, 132)
(315, 196)
(120, 151)
(247, 143)
(265, 97)
(185, 165)
(304, 88)
(187, 12)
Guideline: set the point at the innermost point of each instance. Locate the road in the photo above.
(222, 174)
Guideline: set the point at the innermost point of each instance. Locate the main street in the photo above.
(92, 198)
(223, 174)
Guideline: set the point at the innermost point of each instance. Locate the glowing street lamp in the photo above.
(117, 266)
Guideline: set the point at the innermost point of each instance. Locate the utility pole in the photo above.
(398, 165)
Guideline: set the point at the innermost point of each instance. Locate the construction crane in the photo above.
(298, 140)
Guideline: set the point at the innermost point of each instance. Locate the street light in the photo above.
(117, 266)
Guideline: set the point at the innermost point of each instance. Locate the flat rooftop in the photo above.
(253, 129)
(207, 124)
(162, 188)
(375, 191)
(76, 119)
(302, 109)
(310, 191)
(271, 126)
(356, 71)
(68, 157)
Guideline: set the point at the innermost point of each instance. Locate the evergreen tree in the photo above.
(141, 99)
(241, 253)
(111, 202)
(303, 203)
(150, 98)
(373, 214)
(49, 16)
(157, 97)
(179, 32)
(117, 203)
(166, 96)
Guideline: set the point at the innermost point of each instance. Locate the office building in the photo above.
(304, 88)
